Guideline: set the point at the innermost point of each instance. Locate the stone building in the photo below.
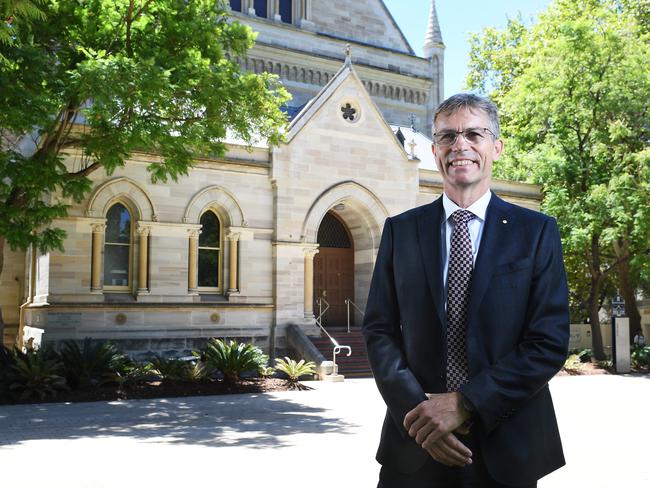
(262, 238)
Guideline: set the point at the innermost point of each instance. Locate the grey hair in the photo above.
(469, 101)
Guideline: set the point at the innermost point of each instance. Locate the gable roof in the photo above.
(315, 104)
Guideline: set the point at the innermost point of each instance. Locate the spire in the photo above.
(433, 39)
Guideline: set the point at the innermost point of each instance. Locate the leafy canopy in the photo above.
(85, 83)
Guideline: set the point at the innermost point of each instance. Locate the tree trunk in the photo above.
(594, 320)
(629, 295)
(594, 300)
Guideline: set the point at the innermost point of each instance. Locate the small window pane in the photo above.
(118, 224)
(260, 8)
(235, 5)
(116, 265)
(210, 232)
(285, 11)
(208, 268)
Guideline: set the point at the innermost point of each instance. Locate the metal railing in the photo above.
(337, 347)
(349, 302)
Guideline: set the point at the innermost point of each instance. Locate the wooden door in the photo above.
(334, 271)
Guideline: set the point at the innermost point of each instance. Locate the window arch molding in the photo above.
(221, 201)
(106, 194)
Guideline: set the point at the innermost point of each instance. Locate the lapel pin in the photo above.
(504, 221)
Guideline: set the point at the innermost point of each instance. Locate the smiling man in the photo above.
(467, 320)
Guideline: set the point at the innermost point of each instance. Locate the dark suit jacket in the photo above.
(517, 335)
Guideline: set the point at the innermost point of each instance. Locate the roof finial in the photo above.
(348, 55)
(412, 119)
(433, 38)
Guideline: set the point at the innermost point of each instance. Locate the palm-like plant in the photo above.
(36, 373)
(295, 370)
(87, 365)
(170, 370)
(233, 358)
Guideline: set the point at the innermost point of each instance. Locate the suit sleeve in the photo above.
(499, 390)
(381, 328)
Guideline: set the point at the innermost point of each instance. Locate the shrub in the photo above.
(87, 365)
(573, 363)
(641, 357)
(7, 361)
(233, 358)
(127, 373)
(36, 373)
(295, 370)
(171, 370)
(585, 355)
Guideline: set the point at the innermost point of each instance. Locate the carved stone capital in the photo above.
(143, 230)
(233, 236)
(310, 253)
(98, 228)
(193, 233)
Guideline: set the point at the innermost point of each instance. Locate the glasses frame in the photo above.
(461, 132)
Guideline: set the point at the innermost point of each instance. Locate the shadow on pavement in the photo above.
(255, 421)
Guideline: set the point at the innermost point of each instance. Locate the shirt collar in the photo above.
(478, 208)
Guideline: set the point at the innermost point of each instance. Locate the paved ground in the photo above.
(313, 439)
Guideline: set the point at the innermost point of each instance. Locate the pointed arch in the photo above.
(122, 188)
(361, 198)
(215, 197)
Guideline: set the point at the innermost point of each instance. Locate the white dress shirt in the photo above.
(475, 226)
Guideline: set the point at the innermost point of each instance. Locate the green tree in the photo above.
(88, 82)
(574, 90)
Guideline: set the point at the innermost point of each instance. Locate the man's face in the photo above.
(466, 165)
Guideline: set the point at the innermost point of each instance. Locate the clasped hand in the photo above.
(432, 424)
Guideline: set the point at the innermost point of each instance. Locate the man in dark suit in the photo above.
(467, 320)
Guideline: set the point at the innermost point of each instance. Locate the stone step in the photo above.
(354, 366)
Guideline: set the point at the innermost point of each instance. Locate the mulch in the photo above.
(157, 389)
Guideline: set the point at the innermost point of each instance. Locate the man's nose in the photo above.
(460, 143)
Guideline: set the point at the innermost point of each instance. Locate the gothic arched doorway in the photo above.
(334, 270)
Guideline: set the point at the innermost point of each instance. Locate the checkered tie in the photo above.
(458, 279)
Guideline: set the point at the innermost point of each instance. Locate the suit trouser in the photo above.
(436, 475)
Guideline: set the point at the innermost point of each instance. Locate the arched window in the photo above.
(117, 249)
(235, 5)
(260, 7)
(286, 8)
(209, 276)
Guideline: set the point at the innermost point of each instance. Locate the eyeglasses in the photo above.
(473, 135)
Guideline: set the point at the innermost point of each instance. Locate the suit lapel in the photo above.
(497, 220)
(430, 249)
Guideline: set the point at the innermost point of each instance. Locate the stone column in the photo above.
(96, 263)
(193, 265)
(143, 258)
(309, 282)
(275, 10)
(233, 237)
(304, 20)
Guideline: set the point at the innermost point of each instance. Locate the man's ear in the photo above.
(498, 148)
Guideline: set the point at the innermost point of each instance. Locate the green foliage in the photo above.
(574, 93)
(641, 357)
(88, 365)
(233, 358)
(573, 363)
(87, 83)
(171, 370)
(295, 370)
(36, 374)
(127, 373)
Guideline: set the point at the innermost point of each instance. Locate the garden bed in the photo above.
(158, 389)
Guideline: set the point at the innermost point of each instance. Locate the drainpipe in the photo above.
(31, 291)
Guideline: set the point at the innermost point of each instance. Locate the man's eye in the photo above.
(473, 135)
(447, 138)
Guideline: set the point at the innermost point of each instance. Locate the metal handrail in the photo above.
(349, 302)
(337, 347)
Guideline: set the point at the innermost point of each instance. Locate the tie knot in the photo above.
(462, 216)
